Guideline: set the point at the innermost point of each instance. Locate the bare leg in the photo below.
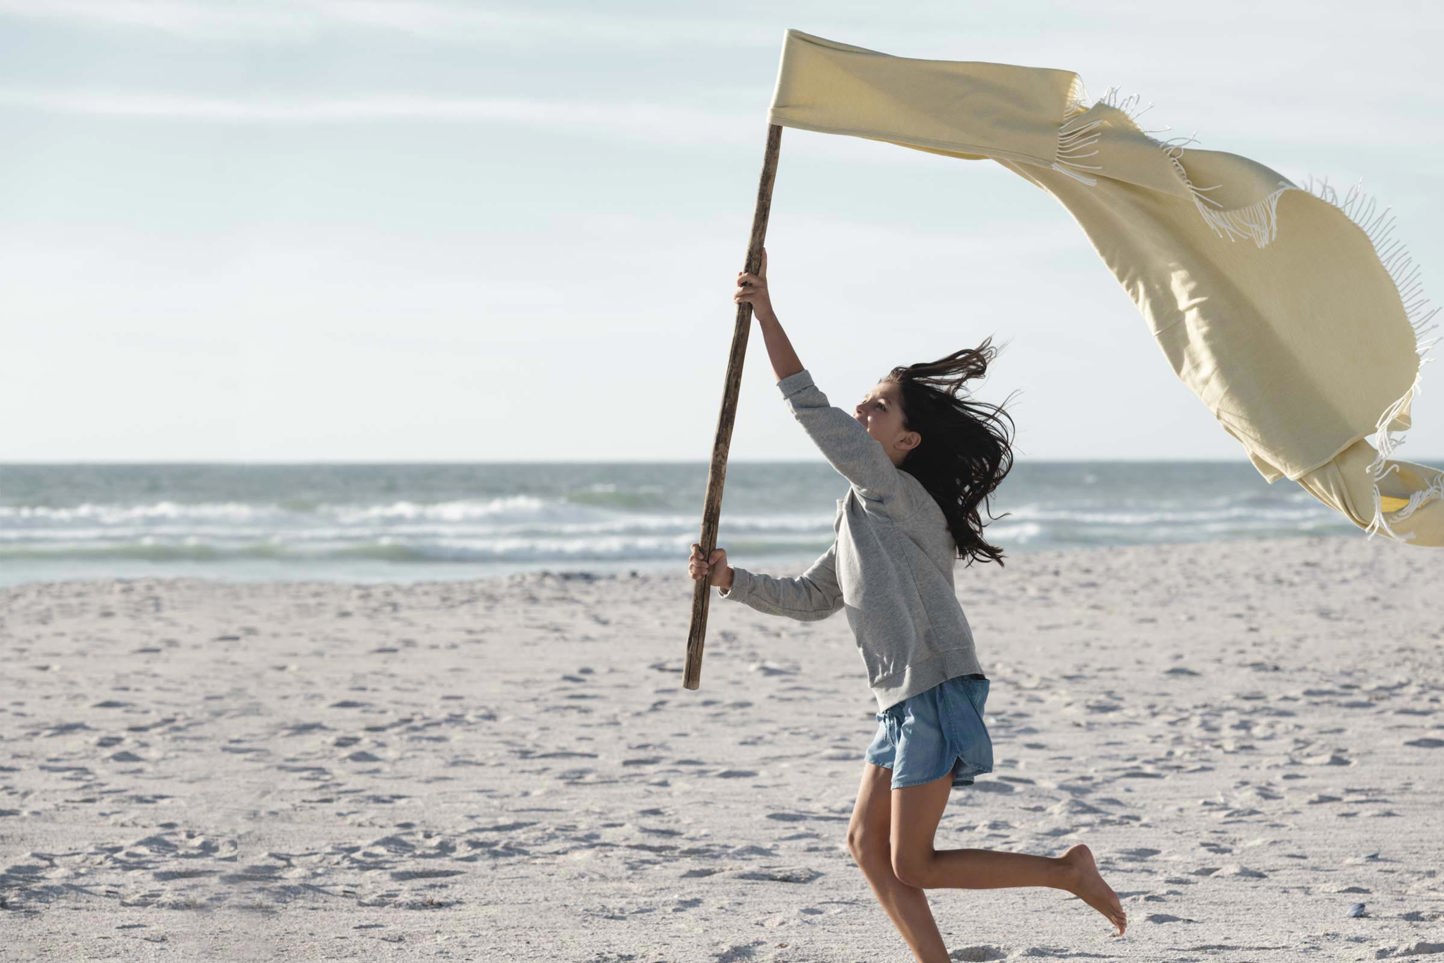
(1074, 871)
(867, 840)
(908, 908)
(916, 812)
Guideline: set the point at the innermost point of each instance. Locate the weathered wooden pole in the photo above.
(712, 505)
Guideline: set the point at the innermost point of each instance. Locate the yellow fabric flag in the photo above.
(1297, 327)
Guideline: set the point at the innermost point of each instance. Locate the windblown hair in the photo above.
(965, 451)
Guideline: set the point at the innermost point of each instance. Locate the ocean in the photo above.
(411, 522)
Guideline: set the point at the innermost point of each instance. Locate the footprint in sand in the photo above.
(1241, 872)
(782, 875)
(1420, 948)
(772, 668)
(1327, 759)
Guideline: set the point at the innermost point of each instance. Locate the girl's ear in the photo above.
(910, 440)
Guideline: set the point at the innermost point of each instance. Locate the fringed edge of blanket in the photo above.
(1378, 224)
(1258, 222)
(1075, 138)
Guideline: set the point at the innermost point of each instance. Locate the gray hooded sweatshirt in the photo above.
(890, 567)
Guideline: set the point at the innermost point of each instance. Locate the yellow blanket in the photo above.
(1304, 343)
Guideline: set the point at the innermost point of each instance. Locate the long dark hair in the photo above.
(965, 451)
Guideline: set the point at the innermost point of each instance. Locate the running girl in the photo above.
(920, 461)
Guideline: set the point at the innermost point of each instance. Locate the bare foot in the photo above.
(1091, 889)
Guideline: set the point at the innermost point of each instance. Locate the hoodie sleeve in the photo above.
(844, 442)
(813, 595)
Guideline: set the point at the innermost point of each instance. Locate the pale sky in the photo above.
(320, 230)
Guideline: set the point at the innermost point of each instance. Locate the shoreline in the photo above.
(650, 568)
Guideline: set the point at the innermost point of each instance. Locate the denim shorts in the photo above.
(928, 735)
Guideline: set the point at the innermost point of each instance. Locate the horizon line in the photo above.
(239, 463)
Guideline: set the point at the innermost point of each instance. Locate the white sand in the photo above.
(1248, 734)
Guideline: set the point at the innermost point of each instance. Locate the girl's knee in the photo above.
(868, 849)
(911, 869)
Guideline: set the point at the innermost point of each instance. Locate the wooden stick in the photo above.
(712, 505)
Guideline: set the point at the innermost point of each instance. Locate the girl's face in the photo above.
(880, 412)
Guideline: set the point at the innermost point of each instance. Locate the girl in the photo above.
(920, 460)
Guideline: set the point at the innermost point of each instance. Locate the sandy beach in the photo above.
(1248, 734)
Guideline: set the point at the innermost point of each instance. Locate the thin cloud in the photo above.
(659, 122)
(451, 23)
(180, 17)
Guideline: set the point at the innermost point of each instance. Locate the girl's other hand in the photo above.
(752, 289)
(716, 571)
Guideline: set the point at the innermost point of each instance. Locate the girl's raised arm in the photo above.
(752, 288)
(844, 442)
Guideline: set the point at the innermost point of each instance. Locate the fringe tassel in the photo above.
(1074, 141)
(1434, 490)
(1258, 222)
(1077, 100)
(1114, 98)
